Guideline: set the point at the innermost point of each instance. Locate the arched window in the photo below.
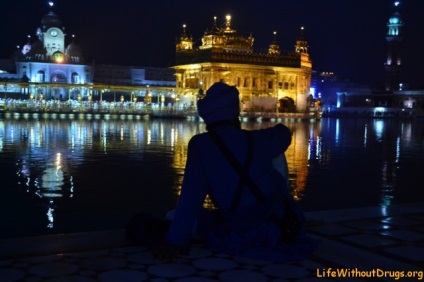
(75, 78)
(58, 77)
(40, 76)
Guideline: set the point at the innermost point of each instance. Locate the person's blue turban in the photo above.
(220, 103)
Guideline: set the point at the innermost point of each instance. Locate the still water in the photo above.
(71, 175)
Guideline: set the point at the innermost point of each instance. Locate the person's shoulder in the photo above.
(282, 128)
(276, 129)
(198, 138)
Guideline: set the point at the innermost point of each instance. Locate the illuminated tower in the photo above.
(52, 35)
(184, 42)
(301, 43)
(394, 39)
(302, 49)
(274, 48)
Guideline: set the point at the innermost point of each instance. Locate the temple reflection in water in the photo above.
(52, 154)
(92, 167)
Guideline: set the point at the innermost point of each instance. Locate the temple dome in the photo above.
(226, 37)
(27, 47)
(73, 50)
(37, 48)
(50, 20)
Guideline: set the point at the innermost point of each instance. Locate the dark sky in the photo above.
(345, 36)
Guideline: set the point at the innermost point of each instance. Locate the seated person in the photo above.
(241, 224)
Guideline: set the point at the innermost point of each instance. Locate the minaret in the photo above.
(184, 42)
(302, 49)
(301, 43)
(394, 39)
(274, 48)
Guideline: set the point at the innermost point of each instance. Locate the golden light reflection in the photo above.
(149, 137)
(297, 155)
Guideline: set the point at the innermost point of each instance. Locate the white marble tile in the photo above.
(196, 279)
(11, 274)
(401, 221)
(404, 235)
(339, 254)
(123, 275)
(215, 264)
(347, 214)
(242, 275)
(40, 259)
(408, 252)
(311, 265)
(88, 254)
(53, 269)
(368, 225)
(142, 258)
(285, 271)
(332, 229)
(171, 270)
(368, 240)
(103, 263)
(198, 252)
(73, 278)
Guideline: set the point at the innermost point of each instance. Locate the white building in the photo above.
(49, 68)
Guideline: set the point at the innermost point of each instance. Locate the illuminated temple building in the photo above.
(263, 79)
(48, 68)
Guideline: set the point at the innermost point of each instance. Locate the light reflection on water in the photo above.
(79, 175)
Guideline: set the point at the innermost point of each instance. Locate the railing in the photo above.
(88, 107)
(129, 108)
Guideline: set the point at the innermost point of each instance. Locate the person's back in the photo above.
(208, 172)
(222, 179)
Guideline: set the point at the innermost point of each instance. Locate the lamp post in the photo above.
(5, 91)
(79, 102)
(148, 98)
(41, 101)
(90, 97)
(173, 100)
(177, 99)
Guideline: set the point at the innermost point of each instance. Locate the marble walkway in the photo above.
(384, 244)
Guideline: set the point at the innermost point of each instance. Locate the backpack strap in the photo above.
(239, 169)
(237, 194)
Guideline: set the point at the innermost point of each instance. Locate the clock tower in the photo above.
(52, 34)
(393, 63)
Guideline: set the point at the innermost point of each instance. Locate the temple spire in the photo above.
(274, 48)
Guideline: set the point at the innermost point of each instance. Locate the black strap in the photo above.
(233, 161)
(237, 194)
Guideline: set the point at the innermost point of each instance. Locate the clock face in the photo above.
(53, 33)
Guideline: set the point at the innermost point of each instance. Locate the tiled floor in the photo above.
(363, 241)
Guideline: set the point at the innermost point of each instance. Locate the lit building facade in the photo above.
(48, 68)
(393, 64)
(392, 100)
(48, 62)
(263, 79)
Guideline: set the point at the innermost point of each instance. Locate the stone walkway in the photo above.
(359, 242)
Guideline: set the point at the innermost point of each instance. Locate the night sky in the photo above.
(346, 37)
